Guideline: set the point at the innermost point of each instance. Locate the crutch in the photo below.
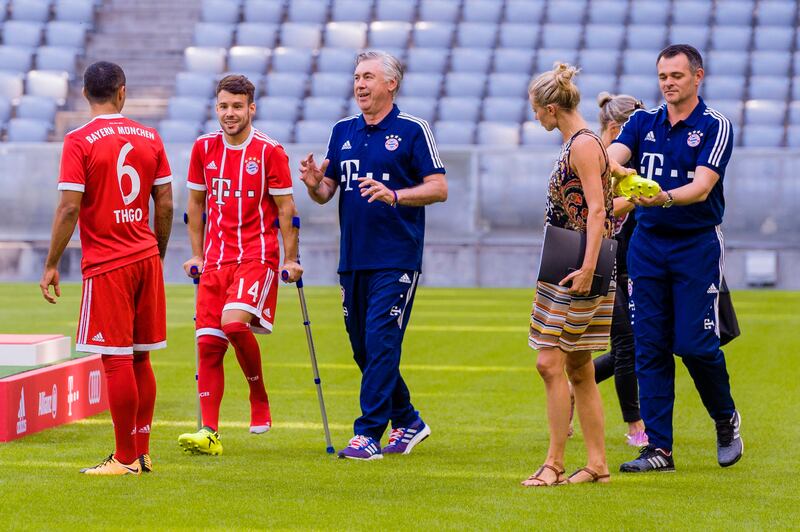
(311, 351)
(196, 280)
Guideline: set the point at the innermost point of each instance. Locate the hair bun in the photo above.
(564, 72)
(603, 98)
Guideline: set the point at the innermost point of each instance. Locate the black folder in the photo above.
(563, 251)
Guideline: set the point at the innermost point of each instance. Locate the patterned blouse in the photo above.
(566, 203)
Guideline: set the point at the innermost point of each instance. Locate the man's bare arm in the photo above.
(162, 215)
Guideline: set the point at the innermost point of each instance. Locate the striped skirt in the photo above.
(570, 323)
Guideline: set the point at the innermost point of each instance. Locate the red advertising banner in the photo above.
(47, 397)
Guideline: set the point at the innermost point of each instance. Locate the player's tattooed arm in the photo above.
(290, 233)
(162, 216)
(66, 217)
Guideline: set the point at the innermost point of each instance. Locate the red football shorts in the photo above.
(124, 310)
(250, 286)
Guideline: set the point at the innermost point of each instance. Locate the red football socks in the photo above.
(146, 385)
(249, 356)
(211, 377)
(123, 401)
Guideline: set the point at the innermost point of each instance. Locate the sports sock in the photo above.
(146, 386)
(123, 401)
(211, 377)
(249, 356)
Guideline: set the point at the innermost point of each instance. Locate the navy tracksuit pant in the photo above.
(377, 306)
(674, 309)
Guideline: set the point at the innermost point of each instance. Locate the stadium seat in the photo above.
(720, 62)
(687, 34)
(566, 11)
(776, 13)
(322, 108)
(731, 38)
(774, 38)
(11, 85)
(730, 109)
(764, 113)
(769, 87)
(311, 11)
(498, 133)
(210, 125)
(533, 134)
(211, 34)
(508, 85)
(278, 108)
(22, 33)
(521, 36)
(591, 85)
(335, 60)
(457, 133)
(220, 11)
(793, 137)
(353, 108)
(439, 10)
(465, 84)
(205, 60)
(649, 12)
(566, 36)
(292, 59)
(286, 84)
(546, 57)
(351, 10)
(31, 10)
(263, 11)
(643, 87)
(723, 87)
(770, 63)
(276, 129)
(486, 11)
(476, 35)
(604, 37)
(187, 108)
(459, 108)
(37, 107)
(300, 35)
(735, 13)
(598, 61)
(794, 113)
(65, 33)
(524, 11)
(195, 84)
(257, 34)
(433, 34)
(252, 59)
(394, 34)
(422, 60)
(332, 85)
(395, 10)
(513, 60)
(5, 111)
(179, 131)
(424, 108)
(646, 37)
(350, 35)
(28, 130)
(639, 62)
(504, 109)
(421, 85)
(313, 132)
(762, 137)
(692, 12)
(48, 83)
(607, 12)
(56, 58)
(470, 60)
(81, 11)
(15, 59)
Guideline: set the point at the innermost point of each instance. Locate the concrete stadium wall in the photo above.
(487, 234)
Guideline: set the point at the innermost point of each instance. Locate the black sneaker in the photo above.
(729, 444)
(650, 458)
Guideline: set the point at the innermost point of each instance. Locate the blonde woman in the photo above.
(566, 324)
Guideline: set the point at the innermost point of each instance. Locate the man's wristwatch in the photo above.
(670, 200)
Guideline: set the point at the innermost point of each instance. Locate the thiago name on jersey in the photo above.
(119, 130)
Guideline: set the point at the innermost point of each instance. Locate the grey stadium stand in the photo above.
(81, 11)
(15, 59)
(498, 133)
(213, 34)
(439, 10)
(331, 85)
(765, 113)
(286, 84)
(770, 63)
(608, 12)
(598, 61)
(178, 131)
(391, 34)
(323, 108)
(651, 38)
(459, 108)
(292, 59)
(465, 84)
(649, 12)
(424, 85)
(195, 84)
(604, 36)
(433, 34)
(591, 85)
(504, 109)
(522, 36)
(301, 35)
(524, 11)
(37, 107)
(56, 58)
(692, 35)
(512, 85)
(476, 35)
(351, 35)
(533, 134)
(639, 62)
(720, 62)
(220, 11)
(731, 109)
(566, 11)
(51, 84)
(395, 10)
(776, 13)
(65, 33)
(794, 113)
(276, 129)
(432, 60)
(257, 34)
(512, 60)
(723, 87)
(774, 38)
(335, 60)
(313, 131)
(482, 11)
(735, 13)
(30, 10)
(314, 11)
(692, 12)
(769, 87)
(561, 36)
(793, 137)
(283, 108)
(22, 33)
(454, 133)
(248, 59)
(27, 130)
(268, 11)
(731, 37)
(762, 137)
(424, 108)
(5, 111)
(206, 60)
(546, 57)
(351, 11)
(11, 85)
(475, 60)
(187, 108)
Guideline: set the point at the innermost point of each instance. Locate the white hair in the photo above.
(392, 68)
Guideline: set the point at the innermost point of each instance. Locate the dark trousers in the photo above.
(675, 309)
(377, 306)
(621, 360)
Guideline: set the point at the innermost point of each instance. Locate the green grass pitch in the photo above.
(473, 378)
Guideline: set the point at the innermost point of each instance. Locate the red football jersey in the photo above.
(115, 162)
(239, 182)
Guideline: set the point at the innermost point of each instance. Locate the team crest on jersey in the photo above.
(251, 165)
(392, 142)
(694, 139)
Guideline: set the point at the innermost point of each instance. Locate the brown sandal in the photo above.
(591, 473)
(544, 483)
